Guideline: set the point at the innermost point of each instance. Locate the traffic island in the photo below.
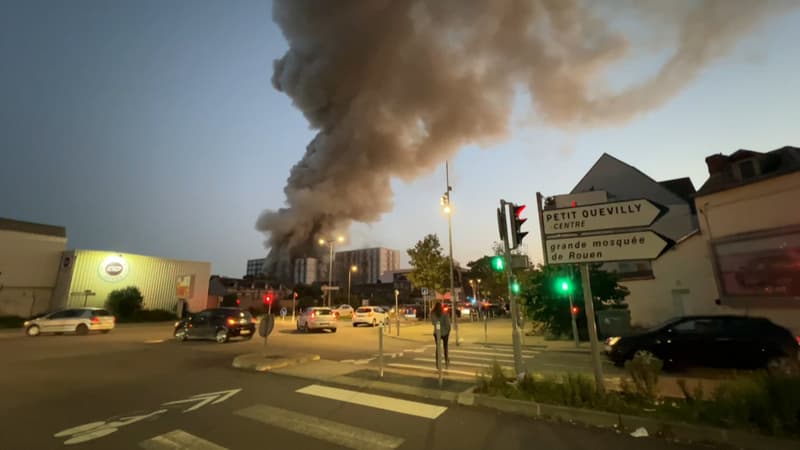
(260, 362)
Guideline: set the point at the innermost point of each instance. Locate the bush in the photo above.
(644, 370)
(125, 303)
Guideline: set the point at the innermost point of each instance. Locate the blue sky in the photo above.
(152, 127)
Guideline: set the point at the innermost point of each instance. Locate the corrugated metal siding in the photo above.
(155, 277)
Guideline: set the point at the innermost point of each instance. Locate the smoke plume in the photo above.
(394, 87)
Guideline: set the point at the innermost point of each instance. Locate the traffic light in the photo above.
(295, 295)
(575, 310)
(515, 287)
(498, 263)
(564, 285)
(517, 235)
(268, 299)
(502, 224)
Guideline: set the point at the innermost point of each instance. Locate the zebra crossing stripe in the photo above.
(461, 363)
(178, 439)
(431, 369)
(392, 404)
(356, 438)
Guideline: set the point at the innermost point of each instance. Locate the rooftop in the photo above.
(745, 167)
(32, 228)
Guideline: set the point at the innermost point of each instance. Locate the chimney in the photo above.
(716, 163)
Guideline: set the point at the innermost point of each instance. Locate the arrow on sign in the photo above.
(606, 247)
(602, 216)
(205, 399)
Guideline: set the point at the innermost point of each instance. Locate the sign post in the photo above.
(397, 310)
(599, 233)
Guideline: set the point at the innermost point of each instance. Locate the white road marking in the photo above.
(357, 438)
(178, 439)
(204, 399)
(491, 353)
(392, 404)
(348, 361)
(461, 363)
(482, 358)
(154, 341)
(431, 369)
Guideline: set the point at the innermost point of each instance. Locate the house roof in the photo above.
(32, 228)
(682, 187)
(771, 164)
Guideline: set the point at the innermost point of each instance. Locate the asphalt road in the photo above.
(114, 391)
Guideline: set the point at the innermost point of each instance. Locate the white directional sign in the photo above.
(330, 288)
(201, 400)
(605, 248)
(602, 216)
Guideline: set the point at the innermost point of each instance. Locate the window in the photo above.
(747, 169)
(59, 314)
(768, 265)
(363, 310)
(699, 326)
(100, 313)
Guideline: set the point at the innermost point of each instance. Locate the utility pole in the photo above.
(448, 210)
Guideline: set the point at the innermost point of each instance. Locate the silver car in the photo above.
(317, 318)
(77, 320)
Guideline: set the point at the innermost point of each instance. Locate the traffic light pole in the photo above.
(516, 338)
(572, 313)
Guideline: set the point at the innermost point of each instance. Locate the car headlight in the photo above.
(176, 324)
(612, 341)
(26, 323)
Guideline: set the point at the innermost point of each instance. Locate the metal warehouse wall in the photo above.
(103, 272)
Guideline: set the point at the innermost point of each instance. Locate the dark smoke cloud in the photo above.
(394, 87)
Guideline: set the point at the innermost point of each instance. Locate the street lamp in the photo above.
(349, 276)
(447, 209)
(330, 243)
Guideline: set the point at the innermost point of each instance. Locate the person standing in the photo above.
(438, 316)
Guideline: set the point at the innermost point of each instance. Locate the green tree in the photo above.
(547, 303)
(125, 303)
(431, 269)
(493, 284)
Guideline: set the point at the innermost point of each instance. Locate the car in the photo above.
(343, 310)
(77, 320)
(317, 318)
(370, 315)
(716, 341)
(219, 324)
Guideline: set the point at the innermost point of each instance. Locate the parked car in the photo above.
(317, 318)
(343, 310)
(716, 341)
(370, 315)
(220, 324)
(77, 320)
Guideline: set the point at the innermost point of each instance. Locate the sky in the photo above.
(152, 127)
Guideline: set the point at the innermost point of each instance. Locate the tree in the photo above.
(547, 303)
(431, 267)
(493, 283)
(125, 303)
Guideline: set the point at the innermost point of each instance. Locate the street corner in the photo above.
(260, 362)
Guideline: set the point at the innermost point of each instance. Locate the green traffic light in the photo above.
(564, 285)
(515, 287)
(498, 264)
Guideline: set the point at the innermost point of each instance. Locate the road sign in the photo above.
(330, 288)
(283, 312)
(602, 216)
(606, 247)
(424, 292)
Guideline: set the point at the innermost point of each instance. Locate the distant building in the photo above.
(371, 263)
(255, 267)
(30, 254)
(306, 270)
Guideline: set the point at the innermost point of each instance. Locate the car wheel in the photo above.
(180, 334)
(82, 330)
(221, 336)
(33, 331)
(355, 324)
(333, 330)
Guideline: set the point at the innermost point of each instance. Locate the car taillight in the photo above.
(95, 319)
(252, 320)
(313, 314)
(231, 321)
(798, 339)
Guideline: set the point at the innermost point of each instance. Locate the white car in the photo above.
(344, 310)
(370, 315)
(317, 318)
(77, 320)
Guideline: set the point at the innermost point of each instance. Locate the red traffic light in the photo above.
(295, 295)
(267, 299)
(238, 302)
(575, 310)
(518, 209)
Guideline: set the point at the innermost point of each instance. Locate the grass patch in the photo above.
(761, 402)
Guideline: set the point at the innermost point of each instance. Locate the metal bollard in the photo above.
(380, 348)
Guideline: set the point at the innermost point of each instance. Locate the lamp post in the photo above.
(445, 202)
(330, 243)
(349, 277)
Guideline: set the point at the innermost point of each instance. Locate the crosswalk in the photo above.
(323, 429)
(465, 361)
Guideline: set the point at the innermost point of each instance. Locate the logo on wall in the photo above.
(114, 268)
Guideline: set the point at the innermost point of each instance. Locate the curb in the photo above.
(260, 363)
(671, 430)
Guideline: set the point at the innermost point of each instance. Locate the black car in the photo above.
(219, 324)
(715, 341)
